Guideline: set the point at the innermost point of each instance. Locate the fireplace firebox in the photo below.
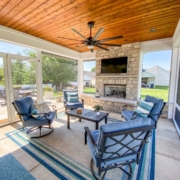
(114, 90)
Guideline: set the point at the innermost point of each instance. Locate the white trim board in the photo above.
(157, 45)
(17, 37)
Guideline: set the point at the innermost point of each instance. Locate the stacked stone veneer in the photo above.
(130, 79)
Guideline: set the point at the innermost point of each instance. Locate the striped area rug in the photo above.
(64, 154)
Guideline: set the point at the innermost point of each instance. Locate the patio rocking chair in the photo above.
(116, 145)
(40, 123)
(154, 114)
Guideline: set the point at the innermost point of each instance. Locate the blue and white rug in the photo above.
(64, 153)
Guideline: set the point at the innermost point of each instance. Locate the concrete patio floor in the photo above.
(167, 148)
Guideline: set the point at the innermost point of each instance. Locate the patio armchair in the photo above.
(116, 145)
(71, 100)
(40, 123)
(154, 114)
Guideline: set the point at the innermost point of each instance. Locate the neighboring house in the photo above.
(89, 78)
(156, 75)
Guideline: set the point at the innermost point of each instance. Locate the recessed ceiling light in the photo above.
(152, 30)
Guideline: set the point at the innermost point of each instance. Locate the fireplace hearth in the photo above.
(116, 91)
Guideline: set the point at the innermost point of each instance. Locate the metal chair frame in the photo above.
(34, 128)
(129, 152)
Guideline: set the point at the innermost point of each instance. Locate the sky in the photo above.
(160, 58)
(12, 48)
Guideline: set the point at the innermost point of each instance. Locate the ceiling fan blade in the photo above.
(98, 33)
(80, 35)
(112, 38)
(102, 47)
(69, 39)
(105, 44)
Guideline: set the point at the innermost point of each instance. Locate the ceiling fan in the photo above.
(90, 42)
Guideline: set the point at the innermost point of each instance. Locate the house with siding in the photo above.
(89, 79)
(156, 75)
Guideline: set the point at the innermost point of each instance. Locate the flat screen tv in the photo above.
(114, 65)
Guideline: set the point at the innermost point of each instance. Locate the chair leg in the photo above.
(128, 173)
(101, 177)
(40, 128)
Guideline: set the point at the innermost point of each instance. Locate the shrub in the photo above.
(47, 88)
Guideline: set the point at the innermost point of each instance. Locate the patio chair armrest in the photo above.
(135, 114)
(82, 100)
(125, 107)
(88, 133)
(22, 114)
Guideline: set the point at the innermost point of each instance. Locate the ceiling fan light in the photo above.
(90, 46)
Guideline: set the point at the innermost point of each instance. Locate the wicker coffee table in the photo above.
(88, 115)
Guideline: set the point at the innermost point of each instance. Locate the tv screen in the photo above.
(114, 65)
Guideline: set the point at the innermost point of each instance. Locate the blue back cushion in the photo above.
(158, 105)
(24, 106)
(72, 97)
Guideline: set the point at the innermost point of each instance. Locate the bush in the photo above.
(60, 93)
(47, 88)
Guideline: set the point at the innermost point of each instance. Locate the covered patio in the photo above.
(57, 33)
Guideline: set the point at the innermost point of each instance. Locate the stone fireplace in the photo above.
(115, 90)
(120, 85)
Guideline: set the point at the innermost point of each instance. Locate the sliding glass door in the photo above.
(3, 92)
(17, 80)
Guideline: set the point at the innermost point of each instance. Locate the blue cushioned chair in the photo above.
(23, 107)
(116, 145)
(154, 114)
(72, 105)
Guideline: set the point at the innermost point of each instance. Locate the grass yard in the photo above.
(88, 90)
(158, 91)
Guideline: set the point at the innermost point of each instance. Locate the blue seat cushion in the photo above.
(74, 105)
(127, 114)
(41, 121)
(158, 104)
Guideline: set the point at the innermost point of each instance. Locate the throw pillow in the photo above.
(72, 97)
(144, 107)
(34, 112)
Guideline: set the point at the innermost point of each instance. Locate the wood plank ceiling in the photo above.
(51, 19)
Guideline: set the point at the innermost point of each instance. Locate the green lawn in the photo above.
(89, 90)
(158, 91)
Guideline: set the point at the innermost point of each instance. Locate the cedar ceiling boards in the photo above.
(50, 19)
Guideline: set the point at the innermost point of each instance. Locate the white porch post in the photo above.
(39, 80)
(173, 80)
(80, 76)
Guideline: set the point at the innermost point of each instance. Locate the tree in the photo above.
(93, 69)
(57, 70)
(2, 82)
